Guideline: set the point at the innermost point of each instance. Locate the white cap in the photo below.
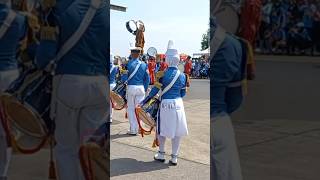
(135, 48)
(172, 55)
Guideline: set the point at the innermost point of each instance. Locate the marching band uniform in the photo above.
(172, 119)
(79, 97)
(163, 65)
(8, 69)
(137, 86)
(114, 70)
(226, 97)
(188, 67)
(152, 69)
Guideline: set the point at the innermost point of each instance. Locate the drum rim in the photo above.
(30, 110)
(112, 94)
(140, 111)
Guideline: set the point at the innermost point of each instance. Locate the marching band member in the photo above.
(172, 121)
(79, 97)
(226, 97)
(152, 69)
(13, 27)
(114, 70)
(163, 65)
(138, 81)
(188, 66)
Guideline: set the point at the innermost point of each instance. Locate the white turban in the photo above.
(172, 55)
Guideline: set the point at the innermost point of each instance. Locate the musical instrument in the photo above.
(27, 106)
(94, 153)
(152, 52)
(118, 96)
(147, 115)
(133, 26)
(228, 17)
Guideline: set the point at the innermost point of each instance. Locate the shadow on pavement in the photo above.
(124, 166)
(118, 136)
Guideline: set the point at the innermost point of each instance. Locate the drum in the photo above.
(27, 107)
(147, 115)
(94, 153)
(152, 52)
(228, 18)
(132, 26)
(118, 96)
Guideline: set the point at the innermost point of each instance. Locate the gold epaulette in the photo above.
(158, 85)
(159, 75)
(123, 71)
(33, 22)
(48, 33)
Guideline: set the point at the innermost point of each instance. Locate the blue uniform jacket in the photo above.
(178, 90)
(88, 56)
(9, 42)
(141, 77)
(226, 68)
(113, 74)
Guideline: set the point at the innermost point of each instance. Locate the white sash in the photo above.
(72, 41)
(217, 40)
(166, 89)
(134, 72)
(112, 68)
(7, 23)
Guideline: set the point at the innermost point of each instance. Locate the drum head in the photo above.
(118, 102)
(131, 26)
(23, 117)
(25, 144)
(152, 52)
(228, 18)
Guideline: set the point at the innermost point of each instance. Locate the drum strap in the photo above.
(134, 72)
(112, 68)
(217, 40)
(72, 41)
(7, 23)
(166, 89)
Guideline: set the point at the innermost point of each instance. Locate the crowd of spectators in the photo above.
(290, 27)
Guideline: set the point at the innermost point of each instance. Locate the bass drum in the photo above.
(27, 107)
(147, 115)
(118, 96)
(228, 18)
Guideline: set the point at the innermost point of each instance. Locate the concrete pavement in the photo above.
(132, 157)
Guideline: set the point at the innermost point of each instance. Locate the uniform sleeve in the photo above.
(154, 91)
(224, 66)
(146, 80)
(184, 86)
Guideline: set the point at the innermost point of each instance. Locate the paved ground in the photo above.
(132, 157)
(278, 127)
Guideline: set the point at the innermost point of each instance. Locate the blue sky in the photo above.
(183, 21)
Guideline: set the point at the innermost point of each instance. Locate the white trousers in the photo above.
(135, 95)
(225, 161)
(175, 143)
(111, 109)
(79, 106)
(6, 78)
(172, 122)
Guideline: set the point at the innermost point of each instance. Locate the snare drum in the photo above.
(27, 106)
(147, 115)
(118, 96)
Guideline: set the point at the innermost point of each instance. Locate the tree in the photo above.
(205, 41)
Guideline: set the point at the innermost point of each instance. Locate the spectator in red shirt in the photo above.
(152, 68)
(188, 66)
